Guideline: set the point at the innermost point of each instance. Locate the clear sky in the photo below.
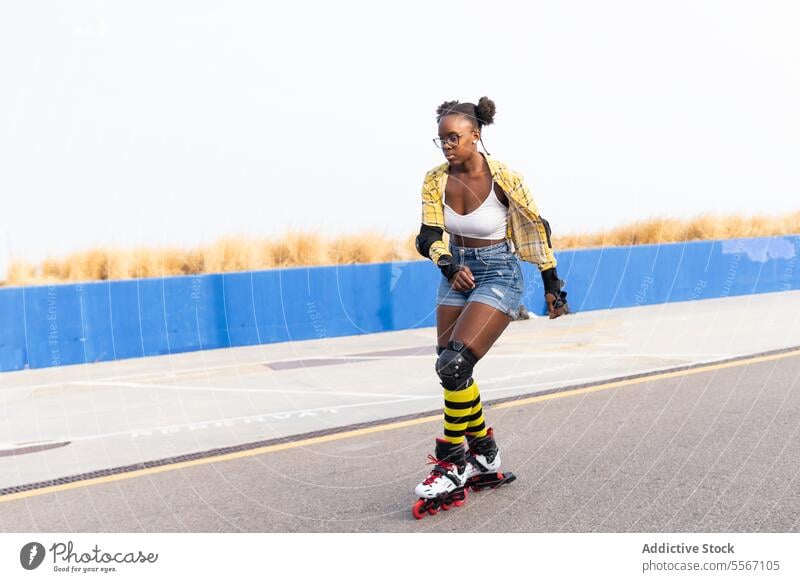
(126, 123)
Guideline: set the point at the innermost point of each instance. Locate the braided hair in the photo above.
(480, 114)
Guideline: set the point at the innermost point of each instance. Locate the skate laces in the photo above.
(446, 465)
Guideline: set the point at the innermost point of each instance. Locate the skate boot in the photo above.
(483, 463)
(444, 487)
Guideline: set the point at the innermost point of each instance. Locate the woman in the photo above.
(485, 207)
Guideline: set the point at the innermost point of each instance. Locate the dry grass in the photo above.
(302, 248)
(663, 230)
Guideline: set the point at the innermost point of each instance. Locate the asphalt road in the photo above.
(714, 448)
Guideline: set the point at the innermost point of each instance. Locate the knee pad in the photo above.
(454, 366)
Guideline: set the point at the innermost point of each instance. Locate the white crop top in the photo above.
(487, 221)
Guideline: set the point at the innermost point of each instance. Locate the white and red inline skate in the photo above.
(455, 471)
(444, 487)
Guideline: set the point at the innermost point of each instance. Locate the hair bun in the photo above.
(485, 110)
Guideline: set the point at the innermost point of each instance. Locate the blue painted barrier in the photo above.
(101, 321)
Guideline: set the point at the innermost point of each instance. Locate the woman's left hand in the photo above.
(551, 308)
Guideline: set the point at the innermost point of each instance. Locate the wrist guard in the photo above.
(553, 285)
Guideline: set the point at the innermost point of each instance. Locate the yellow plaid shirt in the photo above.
(525, 227)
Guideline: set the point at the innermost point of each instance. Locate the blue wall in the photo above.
(91, 322)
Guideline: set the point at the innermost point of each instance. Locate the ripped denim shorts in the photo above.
(498, 278)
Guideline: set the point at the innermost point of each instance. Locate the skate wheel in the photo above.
(462, 501)
(446, 506)
(417, 510)
(433, 511)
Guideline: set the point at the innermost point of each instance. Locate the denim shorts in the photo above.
(498, 278)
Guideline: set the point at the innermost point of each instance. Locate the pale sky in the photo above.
(125, 123)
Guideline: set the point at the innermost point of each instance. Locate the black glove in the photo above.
(561, 300)
(447, 266)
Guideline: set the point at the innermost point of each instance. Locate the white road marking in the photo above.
(529, 356)
(229, 389)
(496, 379)
(227, 422)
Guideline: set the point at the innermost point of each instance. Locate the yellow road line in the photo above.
(388, 426)
(658, 376)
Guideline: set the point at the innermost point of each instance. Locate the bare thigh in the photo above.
(446, 317)
(477, 325)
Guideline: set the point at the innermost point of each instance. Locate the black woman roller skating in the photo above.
(492, 221)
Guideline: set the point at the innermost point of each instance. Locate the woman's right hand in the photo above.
(463, 280)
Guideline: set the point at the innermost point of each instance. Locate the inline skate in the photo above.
(444, 487)
(483, 464)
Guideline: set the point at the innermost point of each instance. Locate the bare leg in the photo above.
(478, 327)
(446, 317)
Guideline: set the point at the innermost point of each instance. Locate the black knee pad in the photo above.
(454, 366)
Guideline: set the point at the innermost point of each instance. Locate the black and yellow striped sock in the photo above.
(457, 409)
(475, 424)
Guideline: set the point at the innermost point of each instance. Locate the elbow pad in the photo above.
(426, 237)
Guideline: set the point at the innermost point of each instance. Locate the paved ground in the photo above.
(706, 449)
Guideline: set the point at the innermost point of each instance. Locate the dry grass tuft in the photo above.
(296, 248)
(664, 230)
